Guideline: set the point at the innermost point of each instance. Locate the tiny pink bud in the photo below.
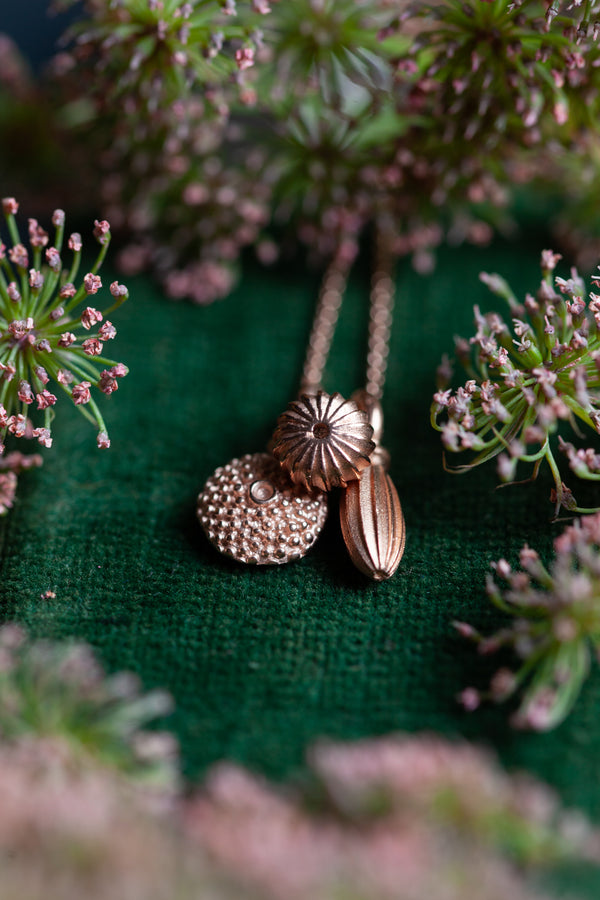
(118, 290)
(36, 280)
(81, 393)
(10, 206)
(43, 436)
(502, 568)
(17, 425)
(465, 630)
(244, 58)
(107, 383)
(53, 259)
(45, 399)
(41, 374)
(75, 242)
(8, 371)
(67, 291)
(63, 376)
(102, 231)
(469, 699)
(58, 218)
(37, 236)
(25, 394)
(90, 316)
(92, 283)
(20, 327)
(66, 339)
(103, 440)
(19, 256)
(107, 331)
(92, 347)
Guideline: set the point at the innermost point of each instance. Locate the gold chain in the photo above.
(380, 320)
(326, 316)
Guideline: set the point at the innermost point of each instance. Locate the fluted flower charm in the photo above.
(323, 441)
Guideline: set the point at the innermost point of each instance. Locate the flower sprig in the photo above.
(354, 111)
(44, 341)
(58, 690)
(163, 50)
(523, 382)
(577, 16)
(554, 629)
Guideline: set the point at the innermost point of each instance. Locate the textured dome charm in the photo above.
(251, 512)
(323, 441)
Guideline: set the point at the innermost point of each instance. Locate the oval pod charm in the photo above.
(252, 513)
(373, 524)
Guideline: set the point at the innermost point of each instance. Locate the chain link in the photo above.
(329, 303)
(331, 294)
(380, 320)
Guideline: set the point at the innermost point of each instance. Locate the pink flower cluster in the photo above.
(45, 345)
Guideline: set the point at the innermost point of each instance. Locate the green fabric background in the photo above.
(261, 661)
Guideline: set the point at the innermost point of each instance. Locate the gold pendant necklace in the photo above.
(269, 508)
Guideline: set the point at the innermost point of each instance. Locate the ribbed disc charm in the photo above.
(373, 524)
(323, 441)
(251, 512)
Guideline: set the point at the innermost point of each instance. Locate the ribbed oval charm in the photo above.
(373, 524)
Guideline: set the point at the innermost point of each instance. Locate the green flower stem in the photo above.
(74, 267)
(4, 291)
(571, 658)
(537, 658)
(12, 229)
(5, 386)
(576, 408)
(24, 286)
(534, 457)
(84, 359)
(118, 302)
(81, 407)
(96, 414)
(53, 277)
(554, 469)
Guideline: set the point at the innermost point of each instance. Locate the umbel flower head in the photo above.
(52, 335)
(58, 691)
(525, 380)
(439, 818)
(555, 627)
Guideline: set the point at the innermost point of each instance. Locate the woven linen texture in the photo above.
(261, 661)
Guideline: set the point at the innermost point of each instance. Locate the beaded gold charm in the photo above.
(253, 513)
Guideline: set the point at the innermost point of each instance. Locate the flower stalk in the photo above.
(46, 342)
(553, 628)
(524, 381)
